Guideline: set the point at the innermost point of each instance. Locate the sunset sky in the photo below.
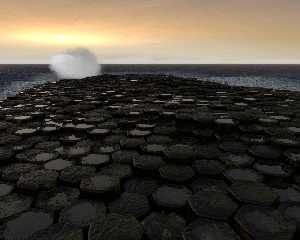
(152, 31)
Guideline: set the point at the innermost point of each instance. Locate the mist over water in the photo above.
(75, 64)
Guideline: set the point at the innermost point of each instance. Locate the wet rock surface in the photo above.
(149, 157)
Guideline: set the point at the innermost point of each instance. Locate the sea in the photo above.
(15, 78)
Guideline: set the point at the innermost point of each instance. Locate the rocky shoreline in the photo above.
(149, 157)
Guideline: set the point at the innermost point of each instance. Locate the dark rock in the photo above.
(83, 213)
(206, 229)
(236, 160)
(14, 171)
(6, 154)
(59, 231)
(158, 139)
(57, 199)
(28, 223)
(100, 184)
(148, 162)
(116, 227)
(288, 195)
(209, 185)
(36, 180)
(95, 159)
(145, 186)
(265, 152)
(213, 205)
(253, 193)
(176, 173)
(13, 204)
(132, 204)
(264, 223)
(154, 148)
(120, 171)
(160, 226)
(208, 167)
(124, 156)
(272, 170)
(75, 174)
(171, 196)
(132, 143)
(233, 147)
(58, 164)
(180, 153)
(5, 189)
(243, 174)
(209, 151)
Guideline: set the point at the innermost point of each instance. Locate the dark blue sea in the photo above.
(14, 78)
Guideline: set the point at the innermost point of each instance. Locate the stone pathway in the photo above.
(149, 157)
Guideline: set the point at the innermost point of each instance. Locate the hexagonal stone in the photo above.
(154, 148)
(243, 174)
(265, 152)
(99, 132)
(180, 153)
(59, 231)
(286, 142)
(57, 199)
(132, 143)
(83, 213)
(159, 226)
(100, 184)
(124, 156)
(77, 151)
(293, 213)
(132, 204)
(95, 159)
(14, 171)
(159, 139)
(48, 145)
(58, 164)
(253, 193)
(208, 167)
(208, 151)
(293, 157)
(13, 204)
(40, 179)
(272, 170)
(75, 174)
(209, 184)
(9, 139)
(148, 162)
(176, 173)
(113, 139)
(233, 147)
(225, 122)
(288, 195)
(202, 229)
(5, 189)
(116, 227)
(237, 160)
(264, 223)
(28, 223)
(166, 130)
(139, 133)
(43, 157)
(145, 186)
(6, 153)
(121, 171)
(213, 205)
(26, 131)
(171, 196)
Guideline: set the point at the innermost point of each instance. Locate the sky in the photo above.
(152, 31)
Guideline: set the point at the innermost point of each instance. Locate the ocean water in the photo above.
(14, 78)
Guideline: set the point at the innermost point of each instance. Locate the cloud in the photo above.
(75, 64)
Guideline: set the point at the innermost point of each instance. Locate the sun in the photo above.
(61, 38)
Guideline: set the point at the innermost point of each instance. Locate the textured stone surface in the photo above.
(145, 146)
(213, 205)
(264, 223)
(115, 227)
